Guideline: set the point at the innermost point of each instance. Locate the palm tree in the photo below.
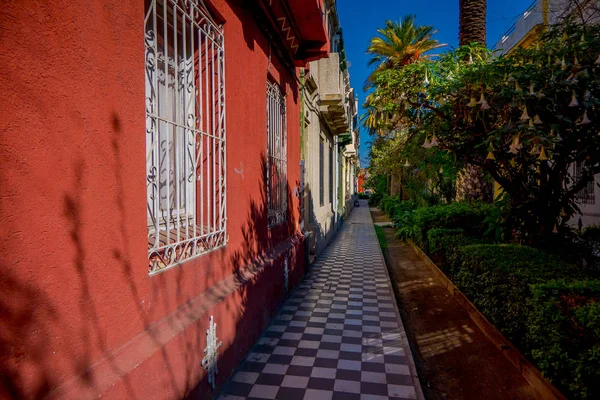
(397, 45)
(472, 26)
(472, 29)
(400, 44)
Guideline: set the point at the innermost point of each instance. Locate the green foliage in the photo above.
(563, 335)
(363, 196)
(396, 45)
(388, 205)
(469, 217)
(381, 237)
(375, 199)
(437, 236)
(524, 118)
(444, 244)
(497, 279)
(378, 182)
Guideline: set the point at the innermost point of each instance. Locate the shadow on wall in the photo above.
(34, 329)
(319, 235)
(259, 273)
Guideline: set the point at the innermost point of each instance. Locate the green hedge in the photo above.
(539, 301)
(375, 199)
(444, 243)
(438, 240)
(469, 217)
(497, 279)
(563, 335)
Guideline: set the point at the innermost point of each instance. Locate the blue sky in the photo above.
(360, 20)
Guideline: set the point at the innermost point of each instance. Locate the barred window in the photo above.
(321, 171)
(185, 132)
(330, 173)
(276, 155)
(585, 195)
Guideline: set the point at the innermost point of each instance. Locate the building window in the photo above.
(321, 171)
(331, 174)
(585, 195)
(185, 132)
(276, 155)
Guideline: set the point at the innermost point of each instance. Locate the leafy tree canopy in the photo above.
(526, 118)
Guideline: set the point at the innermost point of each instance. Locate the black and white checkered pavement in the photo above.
(338, 336)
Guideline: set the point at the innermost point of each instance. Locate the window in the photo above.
(321, 171)
(276, 155)
(331, 174)
(585, 195)
(185, 132)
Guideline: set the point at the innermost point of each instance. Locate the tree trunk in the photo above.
(471, 185)
(472, 27)
(472, 24)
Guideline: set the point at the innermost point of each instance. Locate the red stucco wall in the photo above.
(80, 314)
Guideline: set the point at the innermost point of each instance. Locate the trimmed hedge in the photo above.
(563, 335)
(469, 217)
(497, 279)
(444, 243)
(438, 240)
(539, 301)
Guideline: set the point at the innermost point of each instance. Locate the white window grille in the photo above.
(276, 155)
(585, 195)
(185, 132)
(321, 171)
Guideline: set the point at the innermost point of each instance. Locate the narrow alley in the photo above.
(339, 335)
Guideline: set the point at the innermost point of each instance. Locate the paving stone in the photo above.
(338, 336)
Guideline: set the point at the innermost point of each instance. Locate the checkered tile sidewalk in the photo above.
(339, 335)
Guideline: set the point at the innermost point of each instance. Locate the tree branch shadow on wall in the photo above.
(31, 318)
(259, 273)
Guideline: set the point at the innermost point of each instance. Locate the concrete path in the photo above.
(339, 335)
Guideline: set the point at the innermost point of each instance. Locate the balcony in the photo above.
(528, 23)
(300, 27)
(332, 87)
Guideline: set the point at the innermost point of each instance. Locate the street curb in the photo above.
(527, 370)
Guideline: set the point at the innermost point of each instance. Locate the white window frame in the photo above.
(276, 155)
(185, 132)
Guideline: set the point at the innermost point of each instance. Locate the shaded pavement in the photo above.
(339, 335)
(454, 359)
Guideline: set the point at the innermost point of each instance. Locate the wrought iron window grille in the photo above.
(185, 132)
(585, 195)
(276, 155)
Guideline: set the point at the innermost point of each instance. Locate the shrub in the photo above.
(404, 219)
(387, 204)
(375, 199)
(563, 335)
(363, 196)
(497, 278)
(443, 244)
(401, 208)
(469, 217)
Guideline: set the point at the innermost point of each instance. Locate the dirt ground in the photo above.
(454, 359)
